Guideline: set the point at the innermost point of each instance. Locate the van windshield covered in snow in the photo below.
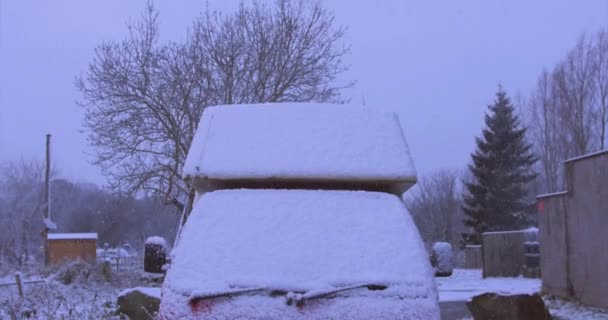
(286, 234)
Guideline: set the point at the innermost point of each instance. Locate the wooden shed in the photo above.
(65, 247)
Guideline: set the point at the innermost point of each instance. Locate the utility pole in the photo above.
(47, 199)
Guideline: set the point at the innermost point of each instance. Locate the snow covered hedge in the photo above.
(443, 260)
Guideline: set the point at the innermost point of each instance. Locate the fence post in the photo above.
(19, 284)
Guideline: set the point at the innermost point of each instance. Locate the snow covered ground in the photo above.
(465, 284)
(561, 309)
(73, 291)
(58, 301)
(96, 300)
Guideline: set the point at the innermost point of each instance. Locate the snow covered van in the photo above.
(297, 220)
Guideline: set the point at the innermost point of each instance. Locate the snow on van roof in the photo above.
(298, 240)
(299, 141)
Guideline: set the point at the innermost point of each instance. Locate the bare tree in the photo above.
(117, 218)
(21, 200)
(258, 54)
(142, 103)
(436, 206)
(570, 107)
(549, 138)
(575, 93)
(600, 52)
(143, 99)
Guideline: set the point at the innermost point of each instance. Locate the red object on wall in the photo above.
(541, 206)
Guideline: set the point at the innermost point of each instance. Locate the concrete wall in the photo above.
(587, 210)
(574, 233)
(552, 222)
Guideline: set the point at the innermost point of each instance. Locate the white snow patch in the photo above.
(553, 194)
(157, 241)
(574, 311)
(464, 284)
(49, 224)
(148, 291)
(299, 141)
(529, 230)
(585, 156)
(72, 236)
(114, 253)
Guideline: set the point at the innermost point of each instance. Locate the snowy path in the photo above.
(465, 284)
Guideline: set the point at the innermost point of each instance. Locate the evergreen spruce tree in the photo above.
(501, 169)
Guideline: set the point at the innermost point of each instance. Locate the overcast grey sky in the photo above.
(437, 63)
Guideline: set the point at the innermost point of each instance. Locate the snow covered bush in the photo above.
(77, 271)
(57, 301)
(155, 254)
(87, 296)
(442, 259)
(80, 273)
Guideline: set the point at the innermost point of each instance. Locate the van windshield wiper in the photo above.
(299, 299)
(217, 294)
(197, 296)
(291, 296)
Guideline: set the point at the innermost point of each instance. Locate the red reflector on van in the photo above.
(199, 306)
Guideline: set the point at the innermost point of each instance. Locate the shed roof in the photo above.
(72, 236)
(299, 141)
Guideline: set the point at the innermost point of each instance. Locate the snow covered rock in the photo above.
(508, 307)
(139, 303)
(442, 258)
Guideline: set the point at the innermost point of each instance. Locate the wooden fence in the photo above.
(20, 283)
(472, 254)
(120, 259)
(503, 252)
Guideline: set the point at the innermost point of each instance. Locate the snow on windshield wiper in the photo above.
(299, 299)
(195, 296)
